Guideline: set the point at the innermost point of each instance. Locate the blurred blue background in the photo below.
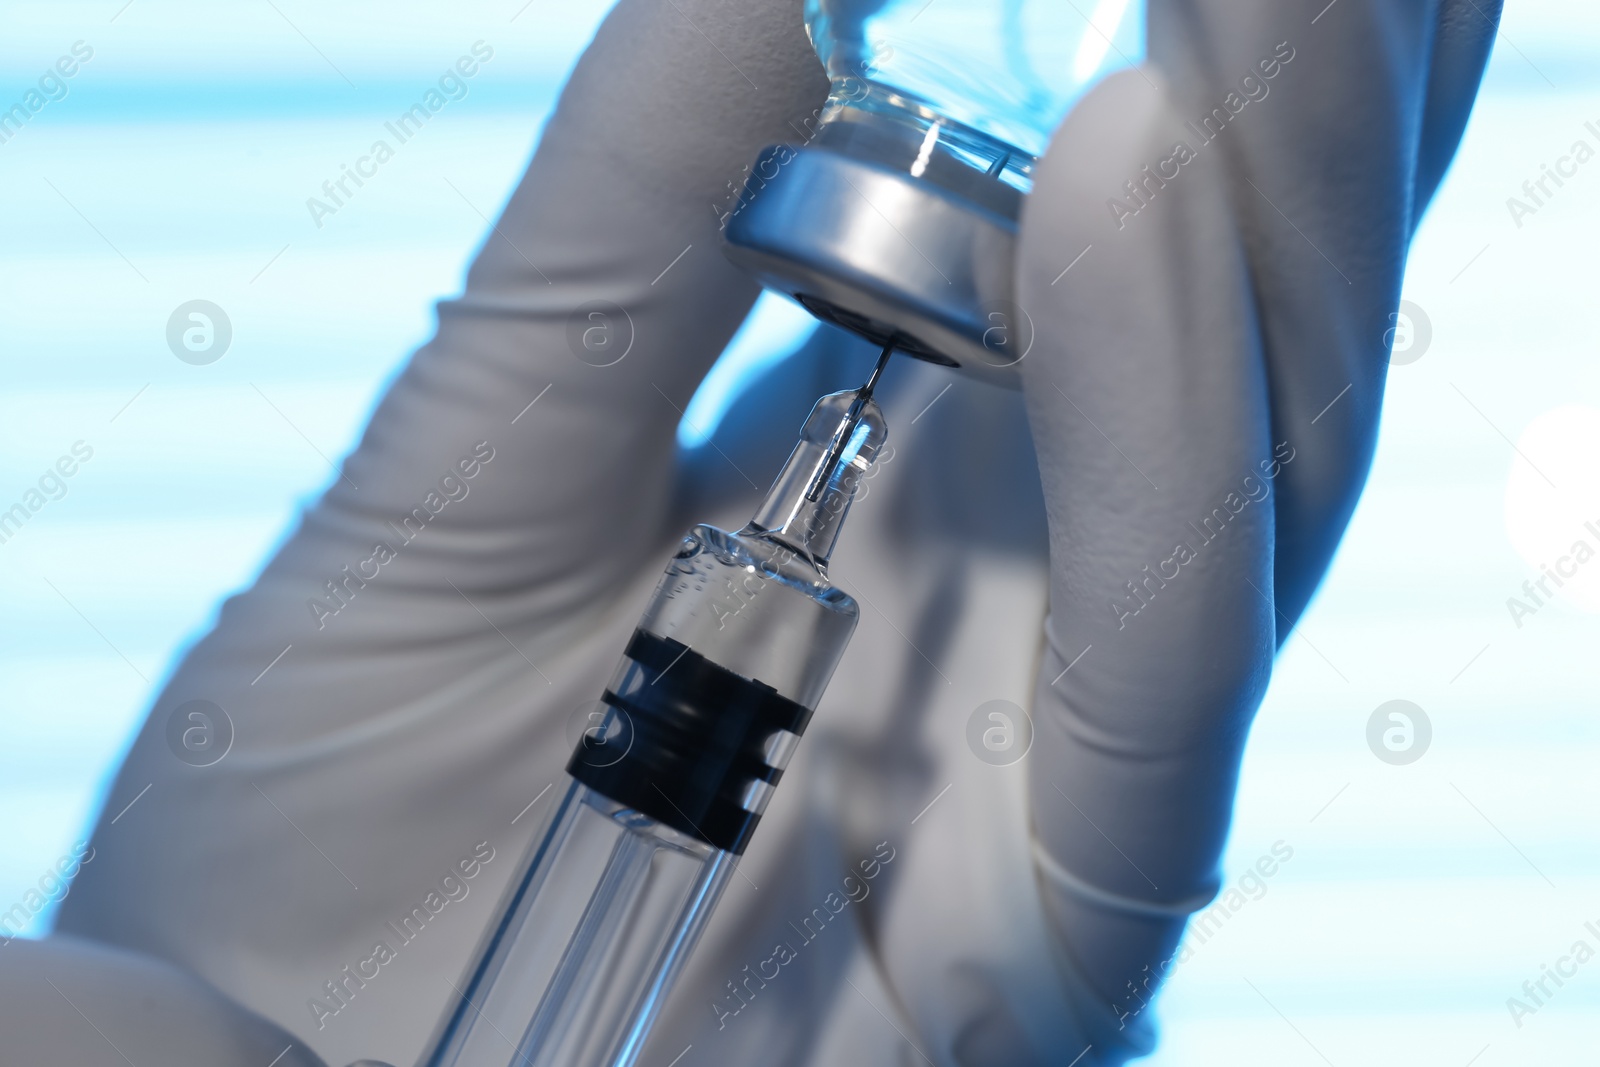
(177, 166)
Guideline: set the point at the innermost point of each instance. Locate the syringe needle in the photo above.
(865, 392)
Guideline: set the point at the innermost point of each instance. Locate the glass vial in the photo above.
(991, 78)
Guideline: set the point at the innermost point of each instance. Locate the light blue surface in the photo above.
(1419, 898)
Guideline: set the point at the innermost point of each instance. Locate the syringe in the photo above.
(683, 752)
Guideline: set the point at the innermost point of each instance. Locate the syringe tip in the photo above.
(847, 425)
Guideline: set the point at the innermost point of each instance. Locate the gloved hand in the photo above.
(1204, 395)
(66, 1000)
(398, 710)
(393, 709)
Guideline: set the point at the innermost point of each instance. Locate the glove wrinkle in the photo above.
(1061, 878)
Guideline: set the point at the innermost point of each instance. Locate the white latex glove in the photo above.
(400, 733)
(407, 732)
(1225, 339)
(70, 1001)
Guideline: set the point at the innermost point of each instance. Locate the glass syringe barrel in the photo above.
(684, 750)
